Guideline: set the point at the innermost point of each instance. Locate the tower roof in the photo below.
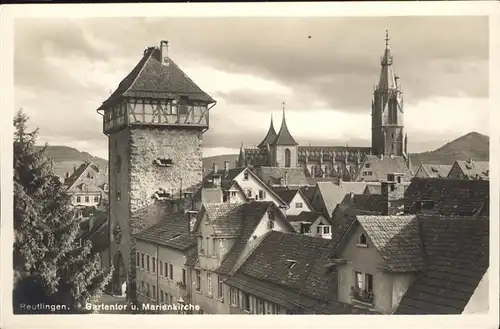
(387, 77)
(157, 76)
(270, 137)
(284, 137)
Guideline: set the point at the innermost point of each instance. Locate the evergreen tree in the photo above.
(50, 266)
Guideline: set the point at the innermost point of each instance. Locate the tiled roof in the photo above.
(436, 171)
(397, 239)
(380, 167)
(308, 192)
(305, 216)
(251, 215)
(333, 194)
(285, 194)
(272, 175)
(100, 238)
(373, 189)
(151, 79)
(227, 177)
(475, 169)
(278, 260)
(172, 232)
(457, 257)
(450, 196)
(270, 136)
(95, 184)
(315, 180)
(225, 218)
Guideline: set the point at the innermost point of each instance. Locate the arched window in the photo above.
(288, 158)
(362, 240)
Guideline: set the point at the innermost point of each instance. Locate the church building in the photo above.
(342, 162)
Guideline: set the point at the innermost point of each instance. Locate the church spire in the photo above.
(284, 137)
(387, 77)
(270, 137)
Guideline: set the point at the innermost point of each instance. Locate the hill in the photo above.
(219, 161)
(473, 146)
(66, 158)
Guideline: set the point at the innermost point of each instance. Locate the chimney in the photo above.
(215, 168)
(381, 157)
(339, 179)
(164, 53)
(226, 166)
(285, 179)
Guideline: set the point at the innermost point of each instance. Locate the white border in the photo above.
(9, 12)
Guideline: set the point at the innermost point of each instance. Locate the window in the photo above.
(246, 302)
(118, 195)
(363, 291)
(147, 263)
(80, 214)
(198, 280)
(399, 179)
(163, 162)
(208, 246)
(142, 261)
(87, 199)
(233, 296)
(298, 205)
(214, 247)
(184, 280)
(245, 175)
(96, 199)
(162, 300)
(153, 263)
(260, 306)
(392, 187)
(270, 215)
(326, 229)
(220, 288)
(148, 292)
(138, 261)
(143, 287)
(248, 193)
(318, 229)
(171, 271)
(154, 292)
(362, 240)
(78, 199)
(166, 270)
(262, 195)
(160, 267)
(270, 224)
(367, 165)
(288, 158)
(209, 284)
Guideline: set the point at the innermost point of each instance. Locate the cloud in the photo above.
(65, 69)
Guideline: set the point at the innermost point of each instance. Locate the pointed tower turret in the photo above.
(284, 148)
(270, 137)
(241, 156)
(387, 109)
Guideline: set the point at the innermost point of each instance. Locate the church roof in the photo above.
(270, 137)
(152, 79)
(387, 77)
(284, 137)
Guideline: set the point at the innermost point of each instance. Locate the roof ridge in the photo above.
(87, 164)
(148, 55)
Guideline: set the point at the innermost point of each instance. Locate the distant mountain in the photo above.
(67, 158)
(473, 146)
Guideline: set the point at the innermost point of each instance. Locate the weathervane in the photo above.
(387, 39)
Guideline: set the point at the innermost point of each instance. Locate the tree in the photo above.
(50, 267)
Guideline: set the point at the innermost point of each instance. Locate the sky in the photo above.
(323, 68)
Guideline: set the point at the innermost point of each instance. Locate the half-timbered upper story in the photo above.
(156, 93)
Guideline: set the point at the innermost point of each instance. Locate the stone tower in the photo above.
(388, 136)
(284, 148)
(155, 122)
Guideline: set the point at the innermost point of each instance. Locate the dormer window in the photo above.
(183, 105)
(362, 241)
(163, 162)
(291, 263)
(270, 224)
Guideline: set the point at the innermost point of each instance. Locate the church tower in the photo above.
(387, 111)
(284, 148)
(154, 122)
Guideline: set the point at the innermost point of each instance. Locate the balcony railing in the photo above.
(362, 295)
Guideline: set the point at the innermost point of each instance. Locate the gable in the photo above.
(299, 197)
(254, 180)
